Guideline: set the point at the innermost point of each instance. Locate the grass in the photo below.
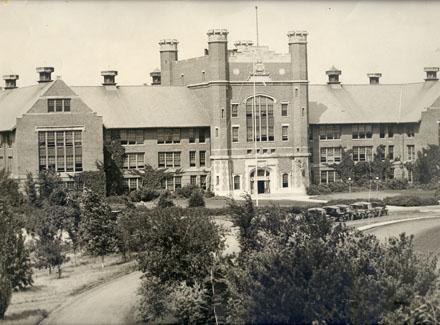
(29, 307)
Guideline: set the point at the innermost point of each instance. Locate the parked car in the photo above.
(316, 212)
(364, 209)
(381, 208)
(349, 213)
(335, 212)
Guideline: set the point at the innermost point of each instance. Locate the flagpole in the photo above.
(255, 113)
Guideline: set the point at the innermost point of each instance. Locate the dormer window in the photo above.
(58, 105)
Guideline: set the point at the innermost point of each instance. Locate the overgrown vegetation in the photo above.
(289, 270)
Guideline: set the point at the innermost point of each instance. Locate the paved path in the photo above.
(110, 303)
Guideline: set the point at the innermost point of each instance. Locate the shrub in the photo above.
(154, 302)
(144, 194)
(318, 190)
(410, 200)
(5, 294)
(165, 200)
(396, 184)
(209, 194)
(196, 200)
(187, 191)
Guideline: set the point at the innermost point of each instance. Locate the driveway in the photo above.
(110, 303)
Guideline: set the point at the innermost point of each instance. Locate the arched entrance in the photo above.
(262, 179)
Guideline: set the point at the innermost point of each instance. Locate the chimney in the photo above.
(374, 77)
(109, 77)
(45, 74)
(431, 73)
(155, 75)
(10, 81)
(333, 76)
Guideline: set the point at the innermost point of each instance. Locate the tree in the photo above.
(196, 200)
(93, 180)
(98, 226)
(72, 220)
(178, 257)
(15, 269)
(427, 165)
(9, 189)
(114, 154)
(31, 191)
(345, 168)
(305, 270)
(49, 228)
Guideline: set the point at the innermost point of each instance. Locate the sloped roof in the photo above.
(15, 102)
(144, 106)
(371, 103)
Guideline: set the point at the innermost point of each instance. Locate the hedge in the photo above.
(411, 200)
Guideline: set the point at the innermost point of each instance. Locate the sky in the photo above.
(82, 38)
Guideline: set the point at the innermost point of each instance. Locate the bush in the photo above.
(5, 294)
(165, 200)
(410, 200)
(187, 191)
(144, 194)
(318, 190)
(196, 200)
(153, 302)
(396, 184)
(209, 194)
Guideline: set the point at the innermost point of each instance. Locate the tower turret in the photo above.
(298, 54)
(218, 53)
(168, 55)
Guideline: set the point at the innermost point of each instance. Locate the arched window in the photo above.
(263, 122)
(285, 180)
(236, 182)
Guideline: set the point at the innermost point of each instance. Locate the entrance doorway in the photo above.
(263, 181)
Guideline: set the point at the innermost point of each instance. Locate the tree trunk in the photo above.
(59, 271)
(50, 270)
(74, 256)
(102, 262)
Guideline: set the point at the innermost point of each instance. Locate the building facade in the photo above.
(240, 120)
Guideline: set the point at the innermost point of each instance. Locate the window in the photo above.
(202, 158)
(285, 180)
(177, 182)
(362, 131)
(263, 121)
(390, 131)
(234, 110)
(202, 137)
(192, 135)
(203, 181)
(134, 161)
(382, 131)
(169, 159)
(193, 180)
(283, 109)
(192, 159)
(285, 132)
(362, 154)
(410, 131)
(329, 132)
(131, 183)
(391, 152)
(411, 153)
(60, 150)
(236, 182)
(58, 105)
(216, 132)
(167, 136)
(235, 134)
(329, 176)
(331, 155)
(217, 180)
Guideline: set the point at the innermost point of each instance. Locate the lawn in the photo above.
(48, 292)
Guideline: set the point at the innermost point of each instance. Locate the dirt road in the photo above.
(111, 303)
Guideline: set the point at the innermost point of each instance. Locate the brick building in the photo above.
(200, 116)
